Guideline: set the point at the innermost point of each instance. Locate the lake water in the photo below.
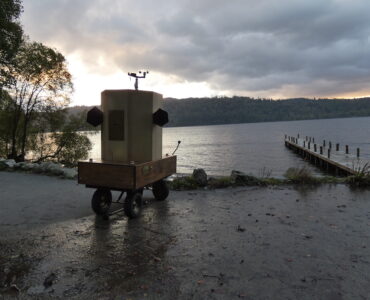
(254, 148)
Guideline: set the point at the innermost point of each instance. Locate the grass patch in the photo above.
(183, 183)
(189, 183)
(273, 181)
(301, 176)
(361, 178)
(331, 179)
(247, 180)
(220, 182)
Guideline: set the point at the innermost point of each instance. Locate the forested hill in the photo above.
(210, 111)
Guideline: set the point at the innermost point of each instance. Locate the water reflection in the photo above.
(125, 253)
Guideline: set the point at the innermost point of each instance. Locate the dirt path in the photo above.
(245, 243)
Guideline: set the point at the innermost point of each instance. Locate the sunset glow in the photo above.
(259, 49)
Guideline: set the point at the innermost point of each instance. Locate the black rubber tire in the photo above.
(101, 201)
(133, 204)
(160, 190)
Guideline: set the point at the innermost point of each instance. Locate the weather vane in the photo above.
(136, 76)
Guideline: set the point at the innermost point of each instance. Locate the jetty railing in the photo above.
(326, 155)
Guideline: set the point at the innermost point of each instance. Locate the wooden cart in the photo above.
(131, 179)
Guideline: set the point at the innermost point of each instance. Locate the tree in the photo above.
(5, 117)
(11, 36)
(61, 140)
(40, 83)
(35, 86)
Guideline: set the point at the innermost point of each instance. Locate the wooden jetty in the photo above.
(327, 156)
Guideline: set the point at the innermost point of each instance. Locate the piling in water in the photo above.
(323, 159)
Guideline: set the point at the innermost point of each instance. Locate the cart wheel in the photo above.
(133, 204)
(101, 201)
(160, 190)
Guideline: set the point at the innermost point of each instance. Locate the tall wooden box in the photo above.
(128, 132)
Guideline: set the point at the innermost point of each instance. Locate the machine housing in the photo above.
(128, 132)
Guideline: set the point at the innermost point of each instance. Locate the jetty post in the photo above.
(337, 162)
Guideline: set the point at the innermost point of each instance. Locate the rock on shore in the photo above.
(49, 168)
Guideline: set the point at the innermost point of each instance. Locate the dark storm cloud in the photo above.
(292, 48)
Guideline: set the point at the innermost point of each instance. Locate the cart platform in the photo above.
(124, 176)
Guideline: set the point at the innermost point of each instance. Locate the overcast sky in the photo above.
(260, 48)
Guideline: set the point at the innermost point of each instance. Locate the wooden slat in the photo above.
(150, 172)
(124, 176)
(115, 176)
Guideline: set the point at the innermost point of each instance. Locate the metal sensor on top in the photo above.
(137, 77)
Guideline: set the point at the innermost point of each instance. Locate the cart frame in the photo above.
(105, 176)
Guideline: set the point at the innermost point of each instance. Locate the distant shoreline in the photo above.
(334, 118)
(240, 110)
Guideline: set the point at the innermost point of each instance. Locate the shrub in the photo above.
(74, 148)
(301, 176)
(361, 178)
